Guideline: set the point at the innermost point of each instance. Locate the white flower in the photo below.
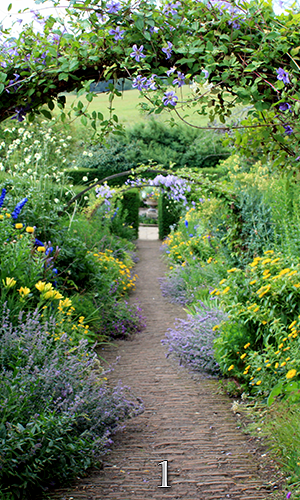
(37, 156)
(27, 160)
(36, 142)
(84, 153)
(1, 166)
(56, 200)
(29, 171)
(85, 179)
(85, 197)
(69, 137)
(64, 145)
(17, 141)
(90, 155)
(64, 160)
(21, 130)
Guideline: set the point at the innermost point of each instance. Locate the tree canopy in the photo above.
(232, 53)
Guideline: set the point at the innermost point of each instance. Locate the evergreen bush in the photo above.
(168, 215)
(130, 206)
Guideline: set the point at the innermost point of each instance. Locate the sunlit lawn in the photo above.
(129, 113)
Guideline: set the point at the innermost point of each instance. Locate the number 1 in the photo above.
(164, 478)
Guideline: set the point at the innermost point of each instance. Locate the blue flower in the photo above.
(18, 208)
(117, 33)
(186, 223)
(137, 53)
(284, 106)
(139, 82)
(283, 75)
(3, 194)
(38, 243)
(113, 7)
(170, 98)
(180, 80)
(288, 130)
(168, 50)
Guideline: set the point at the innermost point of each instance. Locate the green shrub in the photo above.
(130, 207)
(168, 215)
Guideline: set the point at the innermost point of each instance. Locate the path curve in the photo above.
(186, 422)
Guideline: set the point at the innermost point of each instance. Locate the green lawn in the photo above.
(128, 111)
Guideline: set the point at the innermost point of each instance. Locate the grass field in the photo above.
(129, 113)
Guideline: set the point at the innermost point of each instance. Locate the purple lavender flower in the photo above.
(288, 130)
(171, 71)
(283, 75)
(117, 33)
(168, 50)
(113, 7)
(289, 494)
(170, 98)
(137, 53)
(284, 106)
(180, 80)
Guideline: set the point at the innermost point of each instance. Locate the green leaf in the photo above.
(2, 87)
(83, 120)
(100, 116)
(63, 76)
(139, 22)
(274, 392)
(46, 113)
(51, 105)
(9, 7)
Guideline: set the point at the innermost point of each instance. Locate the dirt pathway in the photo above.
(187, 423)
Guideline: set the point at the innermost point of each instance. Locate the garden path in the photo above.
(186, 420)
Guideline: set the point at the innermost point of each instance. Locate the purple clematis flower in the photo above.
(117, 33)
(137, 53)
(284, 106)
(139, 82)
(283, 75)
(168, 50)
(171, 71)
(170, 98)
(170, 8)
(180, 80)
(113, 7)
(288, 130)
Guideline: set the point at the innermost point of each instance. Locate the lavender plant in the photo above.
(57, 412)
(191, 341)
(174, 287)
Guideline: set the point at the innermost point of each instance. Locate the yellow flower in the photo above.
(283, 364)
(256, 309)
(40, 285)
(19, 225)
(252, 282)
(226, 289)
(268, 252)
(57, 295)
(246, 345)
(41, 249)
(81, 318)
(49, 294)
(292, 324)
(291, 373)
(24, 291)
(280, 346)
(264, 322)
(1, 217)
(258, 382)
(243, 355)
(284, 271)
(215, 328)
(9, 282)
(29, 229)
(209, 260)
(232, 270)
(222, 281)
(65, 303)
(259, 368)
(231, 367)
(8, 215)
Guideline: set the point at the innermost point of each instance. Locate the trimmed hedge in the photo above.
(131, 204)
(168, 215)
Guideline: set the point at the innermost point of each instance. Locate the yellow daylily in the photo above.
(9, 282)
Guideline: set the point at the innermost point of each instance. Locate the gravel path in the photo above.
(186, 422)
